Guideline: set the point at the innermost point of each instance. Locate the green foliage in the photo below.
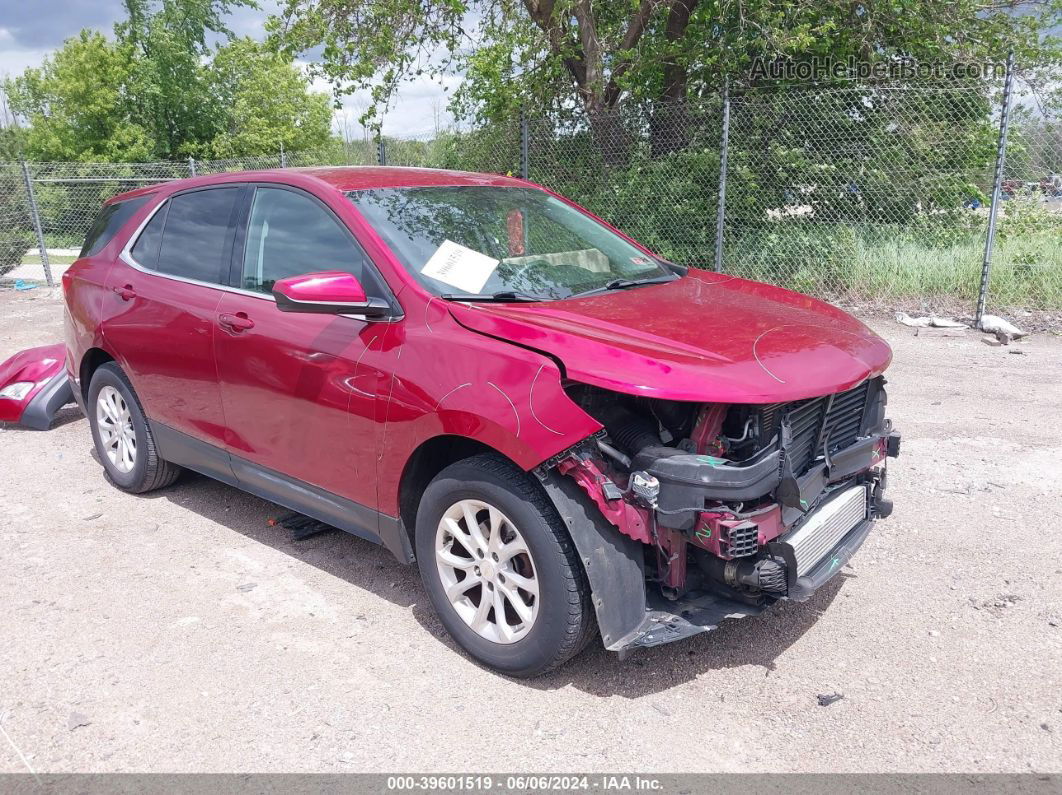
(807, 257)
(1027, 215)
(159, 91)
(76, 103)
(265, 103)
(16, 236)
(552, 55)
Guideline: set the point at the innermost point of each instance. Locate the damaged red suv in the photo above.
(571, 436)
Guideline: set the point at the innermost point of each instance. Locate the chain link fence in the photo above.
(870, 196)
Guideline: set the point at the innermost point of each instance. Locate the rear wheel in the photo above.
(122, 436)
(500, 569)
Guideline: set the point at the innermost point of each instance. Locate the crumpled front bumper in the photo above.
(45, 369)
(668, 620)
(853, 475)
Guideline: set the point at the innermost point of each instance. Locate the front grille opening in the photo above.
(828, 423)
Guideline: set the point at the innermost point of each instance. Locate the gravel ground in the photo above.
(181, 632)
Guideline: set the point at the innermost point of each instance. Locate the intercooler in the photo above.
(825, 528)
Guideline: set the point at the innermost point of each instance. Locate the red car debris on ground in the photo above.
(34, 386)
(572, 437)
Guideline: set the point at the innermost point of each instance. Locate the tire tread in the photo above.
(159, 472)
(581, 620)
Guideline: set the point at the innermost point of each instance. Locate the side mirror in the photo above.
(327, 293)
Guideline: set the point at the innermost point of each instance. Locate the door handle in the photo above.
(126, 293)
(237, 322)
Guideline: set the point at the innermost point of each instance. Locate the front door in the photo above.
(299, 390)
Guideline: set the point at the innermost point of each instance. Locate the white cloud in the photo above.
(14, 60)
(419, 109)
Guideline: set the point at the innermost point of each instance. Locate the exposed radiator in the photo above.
(833, 422)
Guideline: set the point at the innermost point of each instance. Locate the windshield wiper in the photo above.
(623, 284)
(504, 296)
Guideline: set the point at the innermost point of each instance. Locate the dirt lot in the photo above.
(181, 632)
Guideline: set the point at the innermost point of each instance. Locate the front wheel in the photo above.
(500, 569)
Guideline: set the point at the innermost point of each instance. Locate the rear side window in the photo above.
(146, 249)
(110, 219)
(195, 235)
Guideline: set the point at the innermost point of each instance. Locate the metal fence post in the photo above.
(381, 151)
(997, 185)
(36, 215)
(283, 157)
(191, 166)
(525, 163)
(720, 210)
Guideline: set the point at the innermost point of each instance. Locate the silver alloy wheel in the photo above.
(115, 424)
(487, 571)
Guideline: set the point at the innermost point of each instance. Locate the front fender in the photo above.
(449, 381)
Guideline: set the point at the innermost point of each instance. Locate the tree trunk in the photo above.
(612, 137)
(670, 126)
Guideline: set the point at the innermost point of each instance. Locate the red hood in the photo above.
(706, 337)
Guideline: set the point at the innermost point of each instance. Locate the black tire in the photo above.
(149, 471)
(565, 619)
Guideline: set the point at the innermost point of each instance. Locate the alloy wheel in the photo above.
(487, 571)
(115, 424)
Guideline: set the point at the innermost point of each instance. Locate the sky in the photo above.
(31, 29)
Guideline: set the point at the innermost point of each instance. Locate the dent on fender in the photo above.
(450, 381)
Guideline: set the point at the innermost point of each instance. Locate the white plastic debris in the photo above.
(993, 324)
(932, 321)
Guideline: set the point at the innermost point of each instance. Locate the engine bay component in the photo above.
(737, 505)
(645, 487)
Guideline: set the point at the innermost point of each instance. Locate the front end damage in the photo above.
(719, 510)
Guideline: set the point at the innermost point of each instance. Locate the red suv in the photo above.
(571, 436)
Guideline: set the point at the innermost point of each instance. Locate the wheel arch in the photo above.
(614, 563)
(90, 362)
(430, 458)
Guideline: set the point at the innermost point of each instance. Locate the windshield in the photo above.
(493, 241)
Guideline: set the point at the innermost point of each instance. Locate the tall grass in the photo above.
(926, 261)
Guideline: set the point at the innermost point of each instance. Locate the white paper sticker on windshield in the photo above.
(465, 269)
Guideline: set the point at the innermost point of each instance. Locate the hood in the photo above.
(705, 337)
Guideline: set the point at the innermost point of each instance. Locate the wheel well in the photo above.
(427, 461)
(92, 359)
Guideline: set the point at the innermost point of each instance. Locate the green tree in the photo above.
(75, 104)
(265, 103)
(171, 82)
(551, 54)
(159, 90)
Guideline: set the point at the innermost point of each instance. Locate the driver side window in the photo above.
(289, 234)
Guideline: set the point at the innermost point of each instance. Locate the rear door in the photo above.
(160, 320)
(299, 391)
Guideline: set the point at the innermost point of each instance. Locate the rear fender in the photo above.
(45, 369)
